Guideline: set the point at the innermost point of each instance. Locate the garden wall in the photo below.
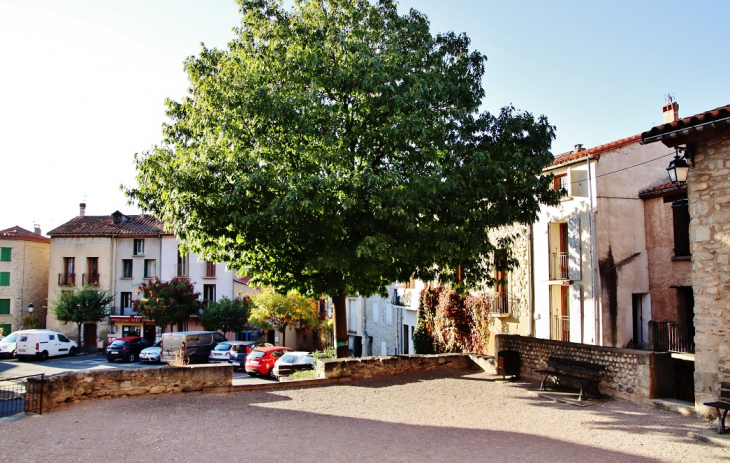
(633, 375)
(366, 367)
(72, 387)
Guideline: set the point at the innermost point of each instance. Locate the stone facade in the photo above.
(366, 367)
(709, 199)
(73, 387)
(28, 269)
(634, 375)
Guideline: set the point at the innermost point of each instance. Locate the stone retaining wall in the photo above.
(72, 387)
(366, 367)
(633, 375)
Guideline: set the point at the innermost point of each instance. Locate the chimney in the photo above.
(37, 228)
(670, 110)
(578, 148)
(82, 209)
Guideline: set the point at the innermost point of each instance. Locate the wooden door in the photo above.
(90, 335)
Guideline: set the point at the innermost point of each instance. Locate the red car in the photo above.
(261, 360)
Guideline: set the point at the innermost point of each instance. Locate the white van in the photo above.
(41, 344)
(195, 345)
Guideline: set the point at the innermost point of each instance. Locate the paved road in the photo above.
(12, 367)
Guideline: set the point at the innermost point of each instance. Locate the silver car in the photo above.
(221, 352)
(151, 354)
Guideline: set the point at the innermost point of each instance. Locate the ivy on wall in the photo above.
(449, 322)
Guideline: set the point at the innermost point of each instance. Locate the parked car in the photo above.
(127, 349)
(151, 354)
(7, 345)
(41, 344)
(261, 360)
(241, 349)
(221, 352)
(195, 345)
(291, 362)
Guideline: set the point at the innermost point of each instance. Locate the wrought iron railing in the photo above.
(559, 266)
(123, 311)
(20, 394)
(90, 279)
(672, 337)
(66, 279)
(560, 330)
(499, 302)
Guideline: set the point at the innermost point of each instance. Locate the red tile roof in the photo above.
(21, 234)
(103, 225)
(594, 152)
(243, 280)
(659, 190)
(688, 123)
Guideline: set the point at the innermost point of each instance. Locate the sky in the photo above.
(83, 82)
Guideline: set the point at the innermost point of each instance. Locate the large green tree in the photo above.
(227, 315)
(338, 146)
(79, 306)
(167, 303)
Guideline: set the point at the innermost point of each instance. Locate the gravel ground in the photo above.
(452, 415)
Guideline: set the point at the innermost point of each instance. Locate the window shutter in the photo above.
(574, 257)
(4, 278)
(680, 212)
(5, 254)
(5, 307)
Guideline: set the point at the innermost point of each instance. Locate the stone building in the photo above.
(703, 140)
(23, 276)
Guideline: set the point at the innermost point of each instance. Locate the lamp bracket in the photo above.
(686, 152)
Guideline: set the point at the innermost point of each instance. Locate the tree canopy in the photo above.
(337, 147)
(88, 304)
(167, 303)
(277, 311)
(227, 315)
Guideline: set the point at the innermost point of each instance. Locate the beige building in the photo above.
(703, 141)
(23, 276)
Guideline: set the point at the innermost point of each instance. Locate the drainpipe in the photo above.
(594, 266)
(531, 282)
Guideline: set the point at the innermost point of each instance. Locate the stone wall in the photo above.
(634, 375)
(366, 367)
(709, 202)
(72, 387)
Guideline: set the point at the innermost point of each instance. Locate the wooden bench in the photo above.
(579, 372)
(722, 406)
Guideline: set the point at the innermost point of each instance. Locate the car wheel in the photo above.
(252, 374)
(130, 358)
(272, 375)
(72, 351)
(44, 355)
(110, 360)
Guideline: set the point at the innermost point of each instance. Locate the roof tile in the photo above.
(21, 234)
(104, 225)
(595, 152)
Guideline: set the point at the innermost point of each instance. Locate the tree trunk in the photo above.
(342, 349)
(80, 343)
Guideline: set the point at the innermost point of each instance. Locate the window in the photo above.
(560, 182)
(150, 268)
(128, 331)
(126, 300)
(209, 270)
(4, 278)
(126, 268)
(501, 281)
(680, 213)
(209, 292)
(51, 337)
(182, 263)
(5, 254)
(68, 277)
(92, 275)
(5, 307)
(63, 338)
(138, 247)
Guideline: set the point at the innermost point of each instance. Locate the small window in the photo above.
(209, 292)
(4, 278)
(5, 307)
(139, 247)
(150, 268)
(127, 266)
(5, 254)
(560, 182)
(51, 337)
(126, 300)
(680, 216)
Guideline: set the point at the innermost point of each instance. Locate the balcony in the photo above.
(672, 337)
(123, 311)
(182, 270)
(91, 279)
(406, 297)
(66, 279)
(559, 266)
(560, 329)
(209, 270)
(499, 303)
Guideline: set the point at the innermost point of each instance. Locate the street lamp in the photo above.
(30, 308)
(678, 167)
